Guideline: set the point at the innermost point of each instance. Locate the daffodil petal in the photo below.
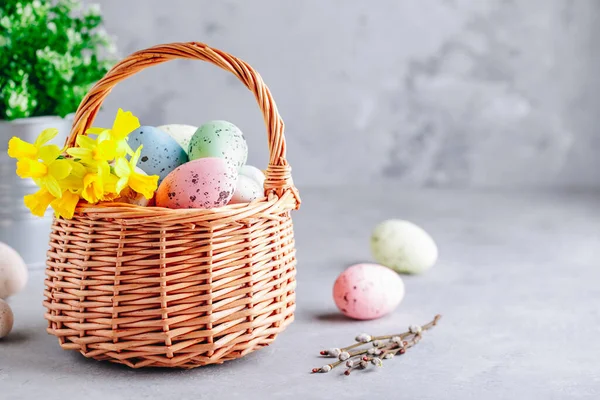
(18, 148)
(27, 168)
(125, 123)
(122, 168)
(143, 184)
(49, 153)
(52, 185)
(81, 153)
(136, 156)
(96, 131)
(46, 136)
(38, 202)
(86, 142)
(77, 169)
(60, 169)
(121, 184)
(66, 205)
(106, 150)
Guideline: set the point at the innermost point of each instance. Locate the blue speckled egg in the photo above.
(161, 153)
(220, 139)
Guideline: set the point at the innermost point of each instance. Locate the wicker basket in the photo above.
(155, 287)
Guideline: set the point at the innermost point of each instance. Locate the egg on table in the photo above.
(6, 319)
(161, 153)
(220, 139)
(13, 271)
(202, 183)
(368, 291)
(253, 173)
(246, 190)
(181, 133)
(403, 246)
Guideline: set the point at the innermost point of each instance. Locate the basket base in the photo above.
(185, 361)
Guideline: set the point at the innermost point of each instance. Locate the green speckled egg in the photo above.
(219, 139)
(403, 247)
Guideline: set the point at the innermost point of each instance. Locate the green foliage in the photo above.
(51, 53)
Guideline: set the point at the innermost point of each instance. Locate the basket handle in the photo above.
(278, 174)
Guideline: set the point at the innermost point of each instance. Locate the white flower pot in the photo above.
(18, 228)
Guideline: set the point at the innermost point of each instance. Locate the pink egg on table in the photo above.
(368, 291)
(202, 183)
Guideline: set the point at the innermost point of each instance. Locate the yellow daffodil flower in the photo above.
(98, 184)
(124, 124)
(97, 170)
(65, 206)
(74, 182)
(20, 149)
(48, 172)
(130, 177)
(92, 151)
(39, 202)
(40, 161)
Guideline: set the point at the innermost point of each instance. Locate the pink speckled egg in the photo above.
(368, 291)
(202, 183)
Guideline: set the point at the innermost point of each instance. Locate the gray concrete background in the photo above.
(454, 93)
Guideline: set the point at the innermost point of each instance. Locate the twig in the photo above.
(383, 348)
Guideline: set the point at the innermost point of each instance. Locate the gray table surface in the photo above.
(517, 282)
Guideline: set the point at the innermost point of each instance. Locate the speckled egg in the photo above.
(253, 173)
(246, 190)
(403, 246)
(13, 272)
(6, 319)
(202, 183)
(219, 139)
(181, 133)
(368, 291)
(161, 153)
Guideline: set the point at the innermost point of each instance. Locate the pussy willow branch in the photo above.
(383, 347)
(378, 361)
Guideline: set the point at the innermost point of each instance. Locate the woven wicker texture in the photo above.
(154, 287)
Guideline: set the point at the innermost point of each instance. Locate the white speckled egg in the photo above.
(13, 272)
(161, 153)
(246, 190)
(368, 291)
(403, 246)
(6, 319)
(219, 139)
(253, 173)
(181, 133)
(202, 183)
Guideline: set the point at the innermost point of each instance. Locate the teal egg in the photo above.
(161, 153)
(220, 139)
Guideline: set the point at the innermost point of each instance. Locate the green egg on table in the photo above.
(220, 139)
(403, 247)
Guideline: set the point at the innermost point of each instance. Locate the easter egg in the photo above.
(253, 173)
(181, 133)
(368, 291)
(13, 272)
(219, 139)
(246, 190)
(403, 246)
(202, 183)
(6, 319)
(161, 153)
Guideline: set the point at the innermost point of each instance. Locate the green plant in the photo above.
(51, 52)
